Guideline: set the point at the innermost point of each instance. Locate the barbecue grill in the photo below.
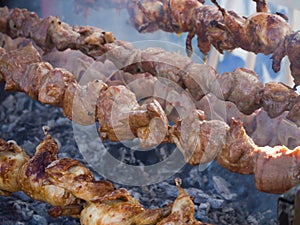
(220, 196)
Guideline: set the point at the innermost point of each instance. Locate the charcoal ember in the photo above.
(200, 197)
(223, 188)
(194, 179)
(9, 103)
(38, 220)
(62, 122)
(251, 219)
(229, 216)
(202, 210)
(23, 208)
(170, 189)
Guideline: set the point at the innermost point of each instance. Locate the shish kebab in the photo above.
(259, 126)
(200, 141)
(262, 32)
(242, 87)
(71, 189)
(51, 33)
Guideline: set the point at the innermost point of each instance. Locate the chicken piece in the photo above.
(138, 20)
(182, 210)
(141, 84)
(34, 181)
(23, 23)
(277, 169)
(157, 61)
(119, 207)
(277, 98)
(12, 158)
(199, 141)
(50, 32)
(76, 178)
(238, 153)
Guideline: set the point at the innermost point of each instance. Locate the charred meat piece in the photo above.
(34, 181)
(12, 158)
(71, 189)
(119, 207)
(76, 178)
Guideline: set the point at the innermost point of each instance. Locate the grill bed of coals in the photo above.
(220, 196)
